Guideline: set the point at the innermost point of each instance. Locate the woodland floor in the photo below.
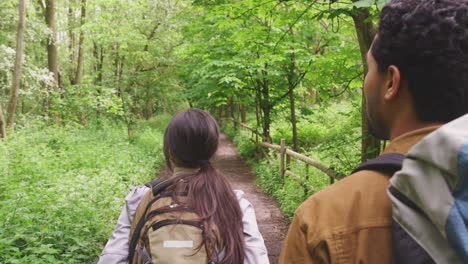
(272, 223)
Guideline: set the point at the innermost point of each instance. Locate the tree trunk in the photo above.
(265, 105)
(98, 53)
(14, 94)
(370, 145)
(51, 47)
(311, 97)
(100, 65)
(71, 43)
(80, 62)
(243, 113)
(99, 61)
(258, 100)
(147, 110)
(118, 72)
(233, 107)
(292, 103)
(2, 124)
(226, 111)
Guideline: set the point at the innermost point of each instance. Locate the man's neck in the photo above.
(405, 127)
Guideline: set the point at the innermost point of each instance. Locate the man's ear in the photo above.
(392, 82)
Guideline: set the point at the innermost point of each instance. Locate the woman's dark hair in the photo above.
(190, 141)
(428, 41)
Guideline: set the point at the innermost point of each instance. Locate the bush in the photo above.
(62, 188)
(246, 147)
(330, 135)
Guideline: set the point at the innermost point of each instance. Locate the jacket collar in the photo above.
(403, 143)
(181, 170)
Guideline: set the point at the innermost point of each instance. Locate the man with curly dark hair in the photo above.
(417, 81)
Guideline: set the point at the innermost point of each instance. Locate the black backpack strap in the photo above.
(157, 187)
(406, 250)
(389, 162)
(153, 183)
(166, 222)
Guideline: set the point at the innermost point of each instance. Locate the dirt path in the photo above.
(271, 222)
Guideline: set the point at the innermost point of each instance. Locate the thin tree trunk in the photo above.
(2, 124)
(14, 94)
(257, 107)
(233, 107)
(226, 111)
(370, 145)
(116, 62)
(80, 62)
(243, 113)
(98, 53)
(100, 65)
(51, 47)
(71, 43)
(311, 98)
(265, 105)
(292, 102)
(118, 72)
(147, 111)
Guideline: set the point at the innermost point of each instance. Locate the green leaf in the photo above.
(362, 3)
(381, 3)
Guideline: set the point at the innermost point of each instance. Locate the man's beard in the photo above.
(376, 126)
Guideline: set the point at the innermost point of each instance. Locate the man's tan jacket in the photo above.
(350, 221)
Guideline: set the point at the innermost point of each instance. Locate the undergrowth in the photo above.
(62, 188)
(330, 135)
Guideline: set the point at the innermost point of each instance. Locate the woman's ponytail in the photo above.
(190, 141)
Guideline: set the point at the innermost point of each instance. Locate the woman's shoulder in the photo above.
(133, 199)
(243, 202)
(136, 192)
(239, 194)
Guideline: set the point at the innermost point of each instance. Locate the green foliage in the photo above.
(62, 188)
(87, 103)
(238, 49)
(36, 81)
(320, 137)
(246, 147)
(330, 135)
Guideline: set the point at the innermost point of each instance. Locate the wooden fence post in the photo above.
(285, 162)
(282, 153)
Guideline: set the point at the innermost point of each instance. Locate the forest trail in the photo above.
(272, 223)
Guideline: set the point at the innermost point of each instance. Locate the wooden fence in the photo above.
(285, 158)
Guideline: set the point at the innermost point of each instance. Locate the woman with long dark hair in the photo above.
(229, 229)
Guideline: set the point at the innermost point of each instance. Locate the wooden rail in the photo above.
(286, 154)
(283, 149)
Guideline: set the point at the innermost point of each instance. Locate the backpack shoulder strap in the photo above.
(389, 162)
(153, 183)
(157, 187)
(405, 249)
